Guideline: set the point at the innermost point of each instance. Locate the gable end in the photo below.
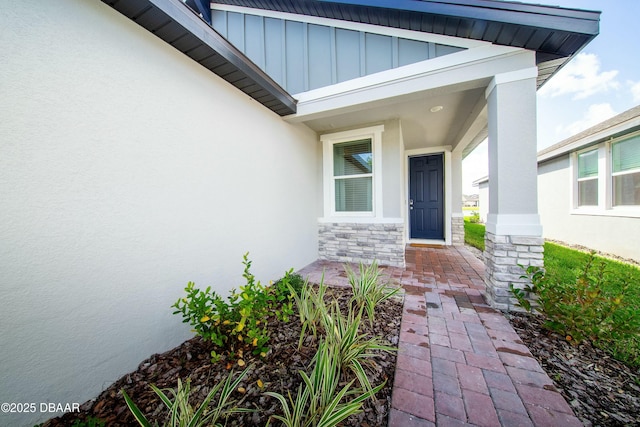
(182, 28)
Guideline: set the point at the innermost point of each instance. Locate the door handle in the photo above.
(410, 204)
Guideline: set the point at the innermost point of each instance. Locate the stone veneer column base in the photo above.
(503, 256)
(457, 230)
(361, 242)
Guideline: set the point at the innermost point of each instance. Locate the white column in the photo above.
(457, 219)
(513, 229)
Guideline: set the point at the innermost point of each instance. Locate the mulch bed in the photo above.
(601, 390)
(279, 372)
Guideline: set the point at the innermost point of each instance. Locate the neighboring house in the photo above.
(141, 149)
(589, 187)
(483, 197)
(470, 201)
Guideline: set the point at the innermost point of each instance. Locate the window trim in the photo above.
(578, 180)
(611, 173)
(605, 176)
(328, 141)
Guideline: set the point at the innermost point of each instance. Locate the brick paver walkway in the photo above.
(460, 362)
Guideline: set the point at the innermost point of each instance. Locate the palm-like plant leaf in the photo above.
(182, 414)
(368, 290)
(137, 413)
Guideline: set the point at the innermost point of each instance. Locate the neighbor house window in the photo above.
(352, 175)
(588, 178)
(625, 172)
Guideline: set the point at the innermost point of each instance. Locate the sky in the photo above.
(601, 81)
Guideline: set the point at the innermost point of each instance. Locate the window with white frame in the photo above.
(607, 177)
(625, 172)
(351, 171)
(588, 178)
(353, 176)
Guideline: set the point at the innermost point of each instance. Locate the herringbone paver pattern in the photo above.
(460, 362)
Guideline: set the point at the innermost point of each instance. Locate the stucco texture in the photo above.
(127, 170)
(611, 234)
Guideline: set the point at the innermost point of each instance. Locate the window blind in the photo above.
(352, 158)
(588, 164)
(354, 195)
(626, 154)
(352, 171)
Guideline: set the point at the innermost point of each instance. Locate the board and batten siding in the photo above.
(301, 56)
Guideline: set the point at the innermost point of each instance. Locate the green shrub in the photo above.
(284, 292)
(239, 323)
(290, 283)
(474, 218)
(590, 307)
(89, 422)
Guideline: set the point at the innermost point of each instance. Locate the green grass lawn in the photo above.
(564, 265)
(474, 234)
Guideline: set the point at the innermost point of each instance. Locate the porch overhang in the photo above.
(457, 83)
(555, 34)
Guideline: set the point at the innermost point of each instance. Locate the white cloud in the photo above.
(582, 78)
(635, 91)
(595, 114)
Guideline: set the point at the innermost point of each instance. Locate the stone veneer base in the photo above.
(457, 230)
(503, 256)
(361, 242)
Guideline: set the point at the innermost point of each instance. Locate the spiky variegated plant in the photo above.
(317, 402)
(368, 288)
(353, 349)
(311, 307)
(182, 414)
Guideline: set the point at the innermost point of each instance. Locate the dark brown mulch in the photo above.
(601, 390)
(279, 372)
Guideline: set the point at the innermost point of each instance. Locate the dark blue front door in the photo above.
(426, 197)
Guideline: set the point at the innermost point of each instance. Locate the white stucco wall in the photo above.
(483, 200)
(392, 169)
(127, 170)
(511, 99)
(615, 235)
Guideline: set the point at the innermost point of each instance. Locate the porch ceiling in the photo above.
(420, 127)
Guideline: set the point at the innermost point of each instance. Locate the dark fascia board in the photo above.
(533, 15)
(540, 17)
(175, 11)
(202, 7)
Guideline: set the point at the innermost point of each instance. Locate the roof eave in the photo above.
(556, 34)
(203, 44)
(533, 15)
(572, 144)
